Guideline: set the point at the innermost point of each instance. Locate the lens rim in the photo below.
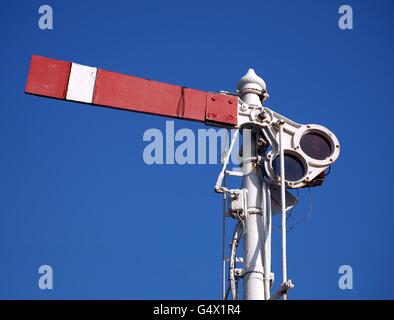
(289, 183)
(324, 146)
(325, 133)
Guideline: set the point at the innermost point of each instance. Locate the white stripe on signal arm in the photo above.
(81, 83)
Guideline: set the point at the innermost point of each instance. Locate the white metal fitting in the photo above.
(251, 81)
(252, 89)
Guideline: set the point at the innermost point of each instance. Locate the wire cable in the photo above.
(309, 211)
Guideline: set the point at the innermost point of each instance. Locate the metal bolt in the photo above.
(244, 107)
(262, 116)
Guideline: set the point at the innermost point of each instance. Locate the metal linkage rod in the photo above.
(233, 258)
(224, 243)
(283, 204)
(267, 240)
(219, 183)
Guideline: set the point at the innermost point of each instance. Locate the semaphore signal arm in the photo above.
(281, 150)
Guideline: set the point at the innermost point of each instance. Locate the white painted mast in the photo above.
(250, 88)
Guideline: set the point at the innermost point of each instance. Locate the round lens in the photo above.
(294, 168)
(316, 146)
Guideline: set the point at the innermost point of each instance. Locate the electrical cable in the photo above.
(309, 212)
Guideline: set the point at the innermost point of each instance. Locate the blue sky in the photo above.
(76, 194)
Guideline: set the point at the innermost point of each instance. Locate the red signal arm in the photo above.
(70, 81)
